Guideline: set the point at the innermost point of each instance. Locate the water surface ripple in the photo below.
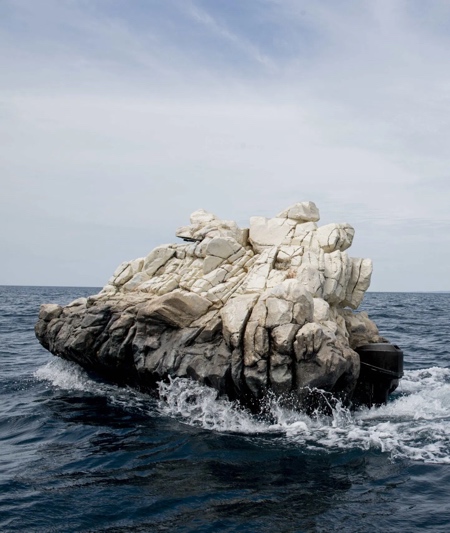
(78, 454)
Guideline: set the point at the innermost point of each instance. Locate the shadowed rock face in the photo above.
(243, 311)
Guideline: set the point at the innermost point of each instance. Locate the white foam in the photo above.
(69, 376)
(65, 375)
(200, 406)
(414, 425)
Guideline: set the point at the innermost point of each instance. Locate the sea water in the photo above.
(80, 454)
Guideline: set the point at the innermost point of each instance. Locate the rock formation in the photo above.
(242, 310)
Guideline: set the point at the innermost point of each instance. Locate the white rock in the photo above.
(168, 286)
(259, 313)
(321, 310)
(296, 261)
(302, 211)
(269, 232)
(222, 247)
(201, 285)
(240, 265)
(291, 290)
(230, 287)
(311, 279)
(206, 225)
(180, 251)
(233, 270)
(278, 312)
(314, 259)
(336, 315)
(190, 249)
(125, 275)
(334, 237)
(305, 228)
(268, 256)
(287, 253)
(108, 289)
(238, 255)
(133, 268)
(250, 262)
(261, 346)
(211, 262)
(213, 298)
(359, 282)
(223, 228)
(235, 314)
(178, 308)
(338, 269)
(200, 248)
(308, 241)
(330, 328)
(187, 282)
(202, 217)
(157, 258)
(216, 276)
(275, 278)
(136, 281)
(365, 274)
(257, 278)
(120, 269)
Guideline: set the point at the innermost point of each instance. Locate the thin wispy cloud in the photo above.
(128, 116)
(219, 30)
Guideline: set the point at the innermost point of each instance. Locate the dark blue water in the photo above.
(82, 455)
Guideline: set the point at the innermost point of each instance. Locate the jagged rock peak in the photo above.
(221, 259)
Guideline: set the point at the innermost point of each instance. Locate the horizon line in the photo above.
(442, 291)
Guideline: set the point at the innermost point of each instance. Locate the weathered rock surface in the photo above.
(243, 311)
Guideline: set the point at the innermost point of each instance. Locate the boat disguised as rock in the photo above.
(249, 312)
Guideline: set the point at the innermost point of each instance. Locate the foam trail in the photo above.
(414, 425)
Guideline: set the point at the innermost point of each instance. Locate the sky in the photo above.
(119, 118)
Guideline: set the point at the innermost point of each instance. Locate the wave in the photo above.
(414, 425)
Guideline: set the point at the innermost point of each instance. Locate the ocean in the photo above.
(82, 455)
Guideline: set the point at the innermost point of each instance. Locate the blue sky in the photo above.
(119, 118)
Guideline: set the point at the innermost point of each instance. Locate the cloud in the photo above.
(127, 117)
(222, 32)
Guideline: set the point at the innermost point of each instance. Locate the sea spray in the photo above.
(414, 425)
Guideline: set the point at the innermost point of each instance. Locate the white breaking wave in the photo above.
(66, 375)
(69, 376)
(414, 425)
